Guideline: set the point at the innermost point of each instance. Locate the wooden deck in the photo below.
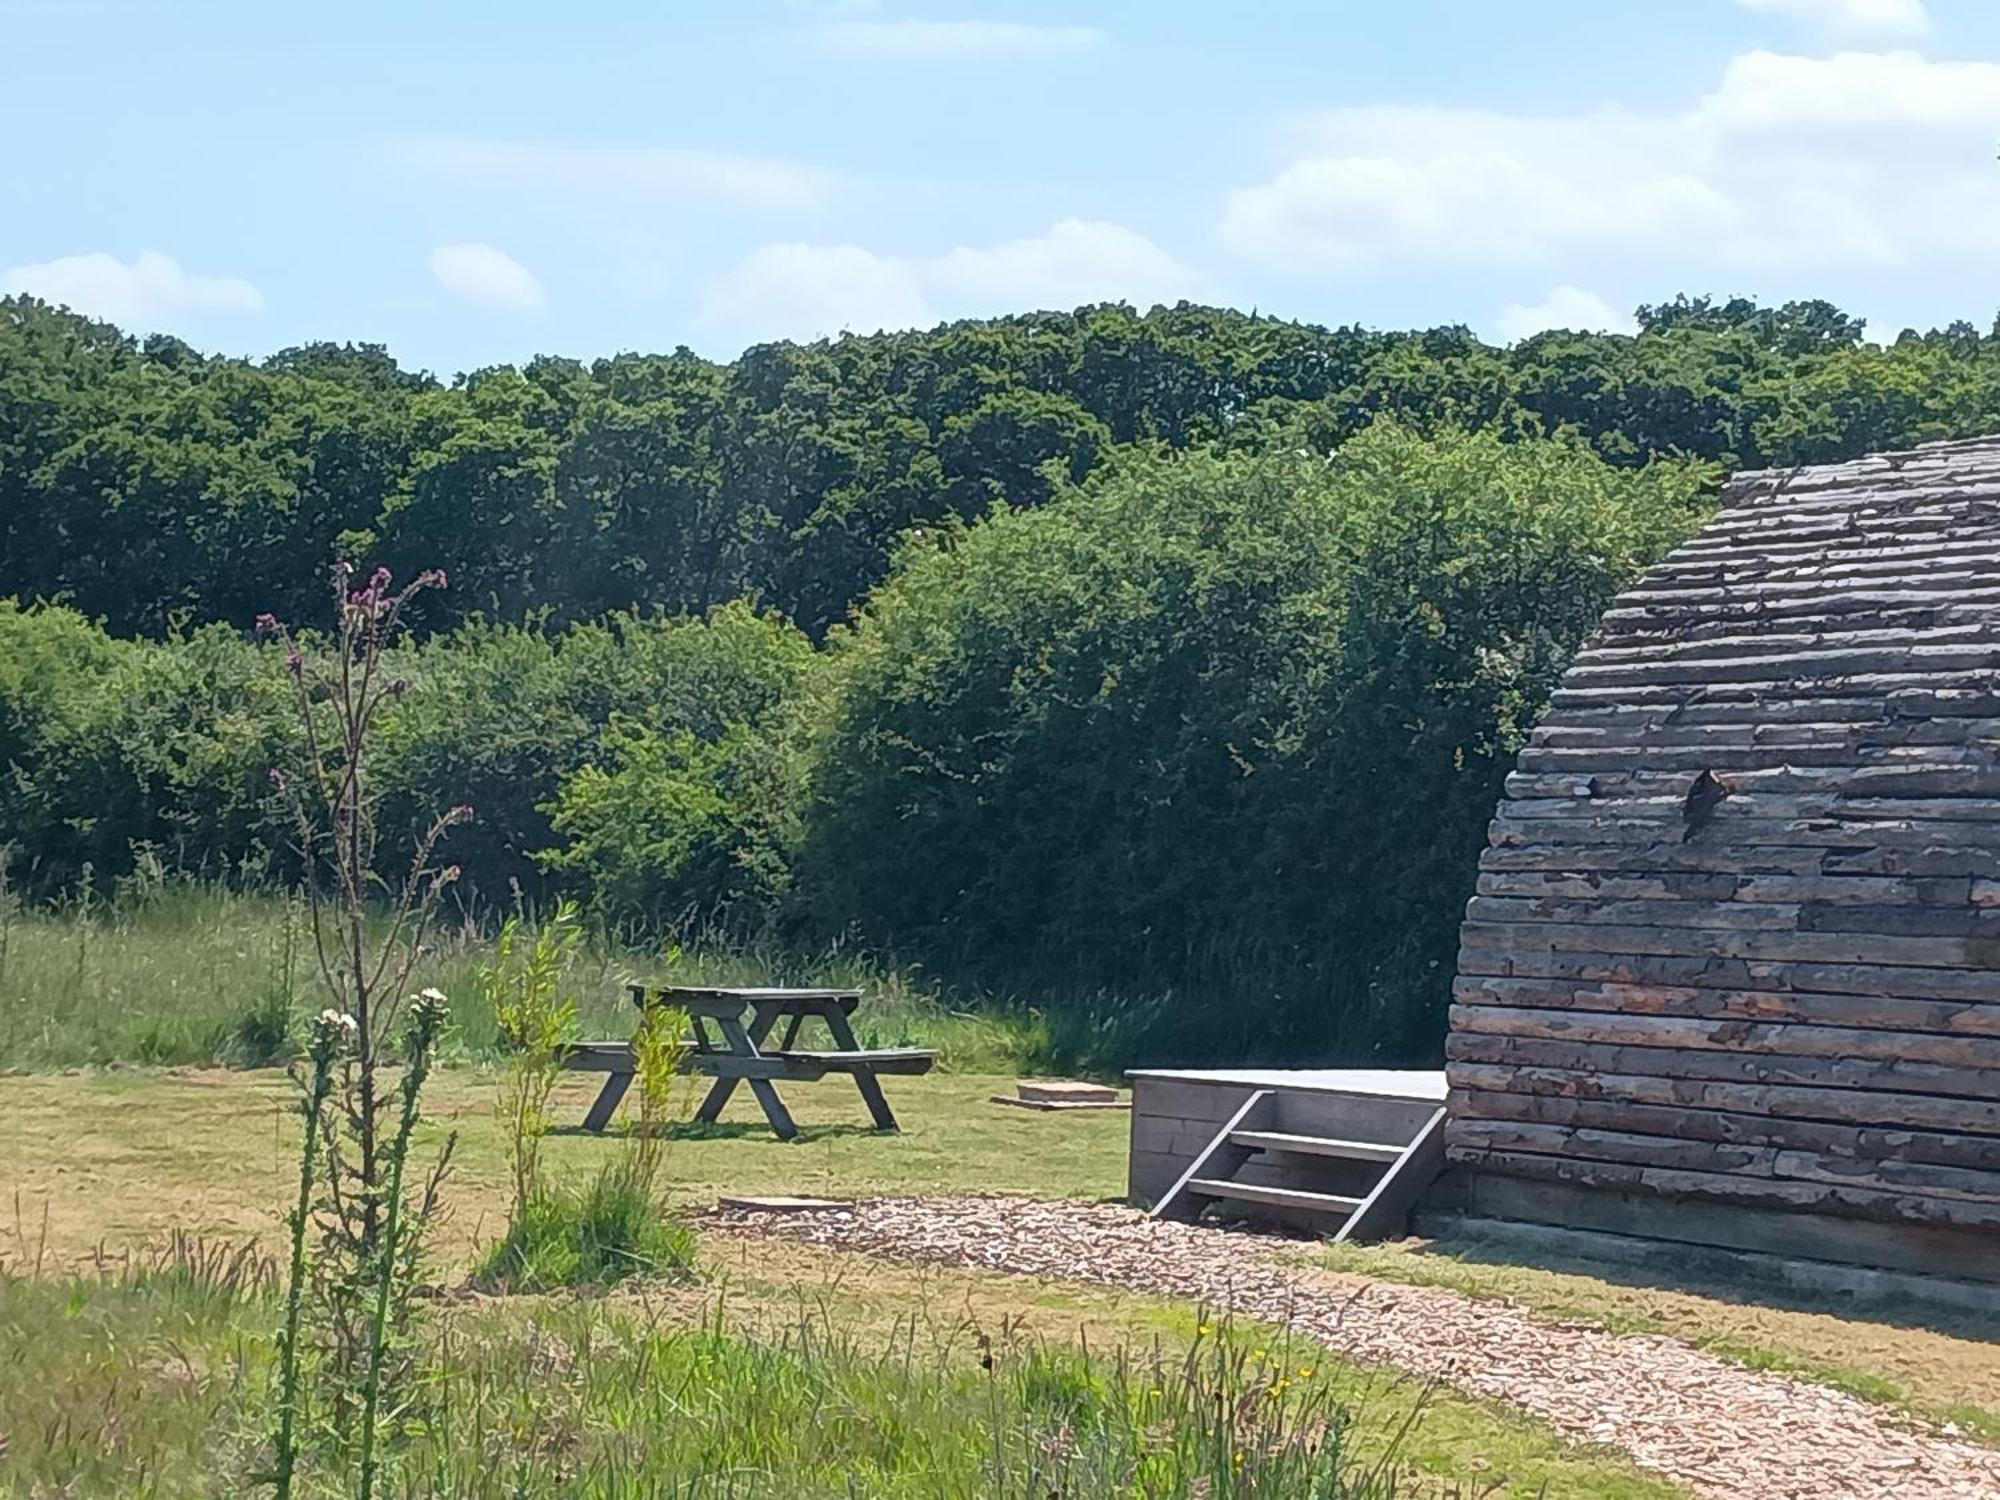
(1342, 1152)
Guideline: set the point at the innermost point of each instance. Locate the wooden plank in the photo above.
(1187, 1099)
(1182, 1202)
(1471, 1139)
(1385, 1212)
(1978, 953)
(1821, 1100)
(1897, 1076)
(1316, 1145)
(1331, 1204)
(1922, 1250)
(1854, 1142)
(1833, 1199)
(1974, 985)
(1724, 885)
(1876, 1012)
(1696, 1033)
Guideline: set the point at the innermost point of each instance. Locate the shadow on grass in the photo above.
(727, 1130)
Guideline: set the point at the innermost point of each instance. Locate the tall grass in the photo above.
(171, 972)
(149, 1385)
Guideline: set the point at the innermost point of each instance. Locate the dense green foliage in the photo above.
(1220, 731)
(1158, 670)
(148, 484)
(115, 746)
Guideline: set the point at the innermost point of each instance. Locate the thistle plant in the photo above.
(332, 1034)
(425, 1020)
(367, 933)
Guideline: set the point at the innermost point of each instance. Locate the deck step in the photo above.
(1315, 1145)
(1275, 1197)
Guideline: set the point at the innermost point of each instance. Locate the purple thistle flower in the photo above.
(267, 624)
(294, 663)
(379, 581)
(273, 775)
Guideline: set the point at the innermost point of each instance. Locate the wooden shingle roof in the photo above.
(1737, 933)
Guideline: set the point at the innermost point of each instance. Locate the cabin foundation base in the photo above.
(1955, 1266)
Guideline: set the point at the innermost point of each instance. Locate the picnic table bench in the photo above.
(744, 1018)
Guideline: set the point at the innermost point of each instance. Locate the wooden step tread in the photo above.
(1276, 1197)
(1314, 1145)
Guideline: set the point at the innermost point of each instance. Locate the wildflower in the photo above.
(427, 1008)
(342, 568)
(379, 581)
(276, 777)
(267, 624)
(436, 578)
(333, 1033)
(294, 663)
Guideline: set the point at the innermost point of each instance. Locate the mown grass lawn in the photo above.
(120, 1159)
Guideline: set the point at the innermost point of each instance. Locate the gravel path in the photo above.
(1720, 1430)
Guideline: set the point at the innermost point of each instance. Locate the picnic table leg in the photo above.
(870, 1086)
(719, 1091)
(745, 1043)
(606, 1103)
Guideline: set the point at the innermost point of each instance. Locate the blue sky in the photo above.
(477, 183)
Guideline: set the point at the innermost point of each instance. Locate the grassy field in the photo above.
(179, 975)
(779, 1373)
(123, 1158)
(106, 1155)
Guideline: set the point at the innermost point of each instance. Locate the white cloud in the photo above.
(142, 292)
(953, 41)
(1569, 307)
(1859, 158)
(801, 291)
(755, 181)
(487, 277)
(804, 291)
(1902, 18)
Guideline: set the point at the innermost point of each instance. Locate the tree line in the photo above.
(149, 485)
(1157, 670)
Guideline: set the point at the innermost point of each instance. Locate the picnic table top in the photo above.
(735, 999)
(745, 994)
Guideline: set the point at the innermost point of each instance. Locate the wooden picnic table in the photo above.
(743, 1019)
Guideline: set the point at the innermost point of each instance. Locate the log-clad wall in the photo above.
(1737, 933)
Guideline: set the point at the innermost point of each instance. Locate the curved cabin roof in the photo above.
(1737, 933)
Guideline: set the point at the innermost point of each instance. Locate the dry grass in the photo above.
(124, 1158)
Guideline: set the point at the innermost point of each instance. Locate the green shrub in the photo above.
(612, 1229)
(1200, 757)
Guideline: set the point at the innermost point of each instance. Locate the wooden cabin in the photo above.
(1732, 973)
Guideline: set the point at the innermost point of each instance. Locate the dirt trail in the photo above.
(1720, 1430)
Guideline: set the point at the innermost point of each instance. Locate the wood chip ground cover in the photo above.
(1719, 1429)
